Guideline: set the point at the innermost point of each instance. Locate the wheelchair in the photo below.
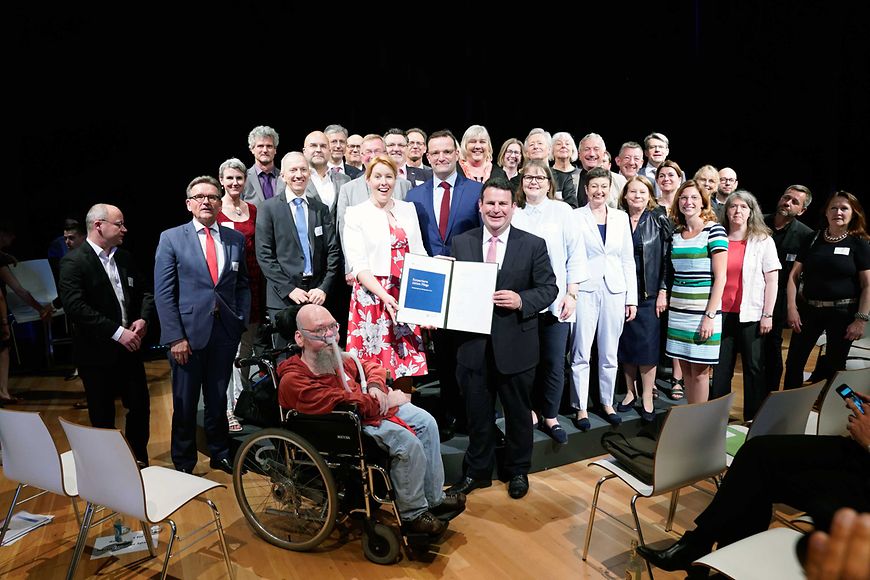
(296, 480)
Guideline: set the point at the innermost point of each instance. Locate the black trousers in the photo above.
(125, 377)
(550, 373)
(772, 353)
(814, 321)
(452, 398)
(481, 386)
(743, 338)
(815, 474)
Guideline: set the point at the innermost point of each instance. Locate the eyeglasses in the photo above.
(322, 331)
(510, 153)
(727, 179)
(354, 146)
(117, 224)
(201, 197)
(535, 178)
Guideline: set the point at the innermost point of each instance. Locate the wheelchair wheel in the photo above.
(380, 544)
(285, 489)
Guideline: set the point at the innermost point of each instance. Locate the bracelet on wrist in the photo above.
(862, 316)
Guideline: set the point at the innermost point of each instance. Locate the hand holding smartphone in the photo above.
(847, 393)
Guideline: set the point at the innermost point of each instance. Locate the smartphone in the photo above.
(846, 392)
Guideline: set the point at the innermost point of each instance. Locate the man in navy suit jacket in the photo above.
(203, 300)
(462, 216)
(504, 361)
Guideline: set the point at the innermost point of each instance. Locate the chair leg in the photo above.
(81, 541)
(223, 541)
(639, 531)
(149, 541)
(592, 514)
(174, 531)
(76, 510)
(9, 515)
(672, 510)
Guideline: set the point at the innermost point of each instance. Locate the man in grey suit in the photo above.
(296, 246)
(263, 181)
(323, 183)
(357, 191)
(338, 139)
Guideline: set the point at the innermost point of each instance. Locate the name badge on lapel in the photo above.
(790, 257)
(130, 281)
(235, 266)
(318, 230)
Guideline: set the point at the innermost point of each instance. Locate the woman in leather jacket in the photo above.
(639, 344)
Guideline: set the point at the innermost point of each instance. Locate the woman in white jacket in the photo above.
(606, 300)
(748, 300)
(377, 235)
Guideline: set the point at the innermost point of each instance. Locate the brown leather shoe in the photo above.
(426, 523)
(452, 506)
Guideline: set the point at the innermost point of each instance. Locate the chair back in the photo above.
(37, 277)
(691, 444)
(106, 469)
(833, 414)
(30, 455)
(785, 412)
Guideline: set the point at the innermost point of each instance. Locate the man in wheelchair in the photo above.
(311, 384)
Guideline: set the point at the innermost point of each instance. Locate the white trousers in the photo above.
(599, 314)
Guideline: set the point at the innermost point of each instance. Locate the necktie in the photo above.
(302, 228)
(211, 256)
(336, 169)
(491, 254)
(401, 172)
(268, 192)
(444, 217)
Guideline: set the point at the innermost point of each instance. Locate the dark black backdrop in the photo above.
(127, 107)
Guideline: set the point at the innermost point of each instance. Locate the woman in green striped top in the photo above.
(699, 260)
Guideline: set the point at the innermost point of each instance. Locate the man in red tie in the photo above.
(446, 206)
(203, 300)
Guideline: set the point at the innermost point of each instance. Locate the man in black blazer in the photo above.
(109, 307)
(504, 361)
(292, 280)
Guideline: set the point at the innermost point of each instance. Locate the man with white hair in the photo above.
(592, 150)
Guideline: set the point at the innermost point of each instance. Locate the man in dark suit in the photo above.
(452, 195)
(504, 361)
(300, 257)
(109, 306)
(338, 141)
(324, 181)
(203, 300)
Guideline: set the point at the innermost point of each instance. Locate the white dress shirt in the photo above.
(501, 245)
(107, 259)
(438, 195)
(218, 244)
(324, 186)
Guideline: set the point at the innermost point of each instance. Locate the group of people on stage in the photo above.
(642, 262)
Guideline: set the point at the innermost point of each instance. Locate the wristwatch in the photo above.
(766, 315)
(710, 315)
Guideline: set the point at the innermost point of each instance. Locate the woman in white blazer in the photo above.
(751, 285)
(606, 300)
(377, 235)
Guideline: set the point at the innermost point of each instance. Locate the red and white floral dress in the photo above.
(371, 333)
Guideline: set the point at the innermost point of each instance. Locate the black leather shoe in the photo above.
(613, 419)
(426, 523)
(678, 556)
(647, 416)
(452, 506)
(518, 486)
(222, 464)
(467, 484)
(184, 469)
(581, 424)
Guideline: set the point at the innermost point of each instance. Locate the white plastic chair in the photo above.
(36, 276)
(768, 555)
(833, 413)
(30, 457)
(690, 448)
(108, 476)
(782, 413)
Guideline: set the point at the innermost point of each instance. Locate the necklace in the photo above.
(832, 239)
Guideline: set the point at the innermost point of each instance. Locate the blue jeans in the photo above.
(416, 468)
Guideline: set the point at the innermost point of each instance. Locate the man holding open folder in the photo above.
(504, 361)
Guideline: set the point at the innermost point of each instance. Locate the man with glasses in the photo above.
(353, 155)
(338, 144)
(417, 171)
(203, 300)
(657, 149)
(727, 185)
(313, 383)
(446, 206)
(109, 306)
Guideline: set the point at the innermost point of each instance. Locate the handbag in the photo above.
(258, 404)
(634, 454)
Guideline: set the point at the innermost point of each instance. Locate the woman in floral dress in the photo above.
(377, 235)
